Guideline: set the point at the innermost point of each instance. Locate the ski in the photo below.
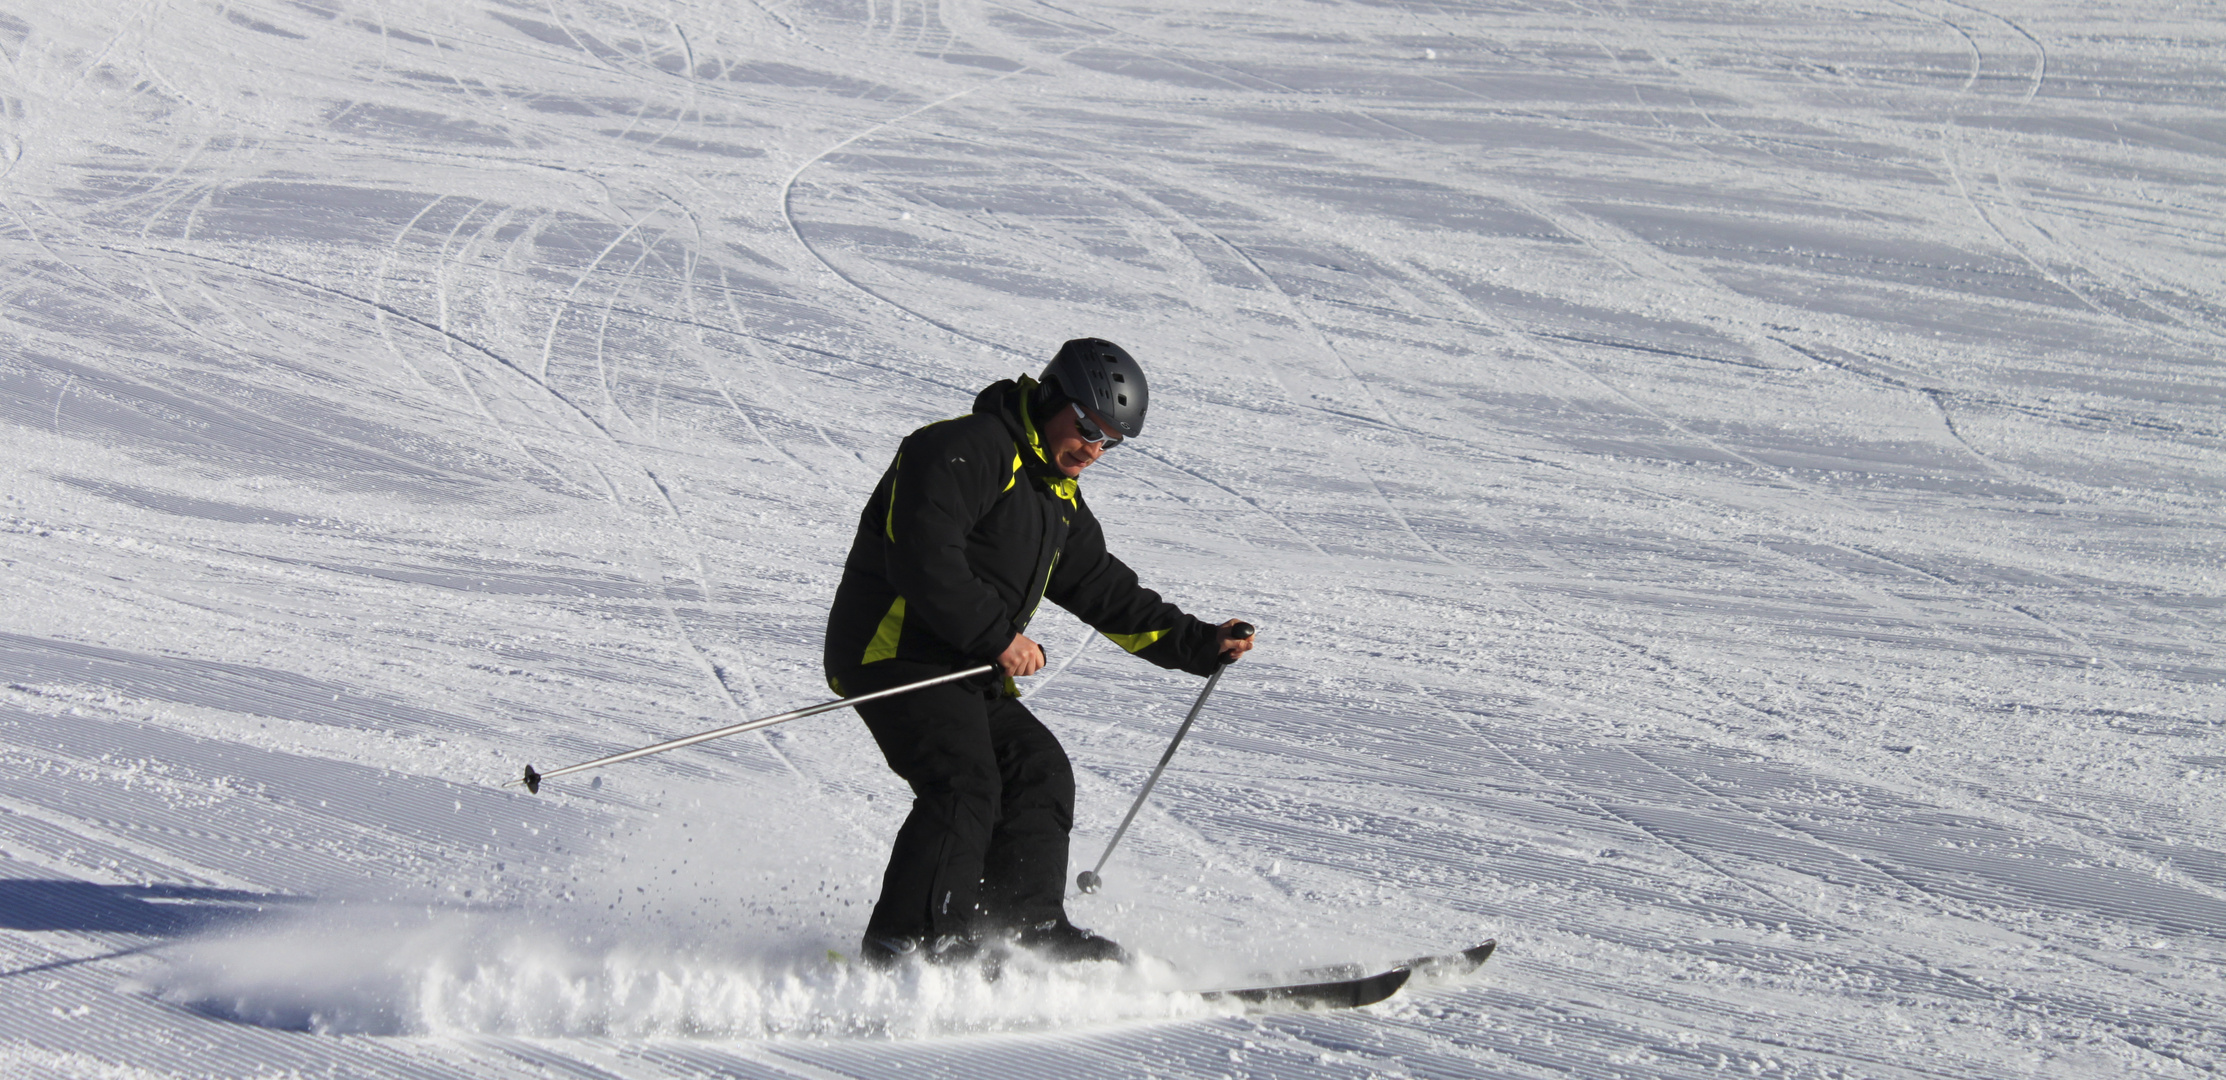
(1345, 987)
(1336, 994)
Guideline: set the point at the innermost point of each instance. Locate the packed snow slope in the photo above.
(1732, 494)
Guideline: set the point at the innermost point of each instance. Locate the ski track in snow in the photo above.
(1731, 494)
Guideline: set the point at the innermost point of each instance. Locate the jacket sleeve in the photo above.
(1101, 590)
(942, 488)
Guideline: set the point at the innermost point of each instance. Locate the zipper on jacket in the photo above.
(1044, 588)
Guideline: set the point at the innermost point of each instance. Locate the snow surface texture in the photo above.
(1732, 494)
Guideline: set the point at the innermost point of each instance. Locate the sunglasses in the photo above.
(1089, 430)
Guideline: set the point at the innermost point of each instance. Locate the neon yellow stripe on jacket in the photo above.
(1137, 642)
(884, 643)
(1064, 487)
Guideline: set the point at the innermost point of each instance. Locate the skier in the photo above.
(979, 519)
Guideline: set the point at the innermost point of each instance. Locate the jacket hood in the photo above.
(1008, 401)
(998, 399)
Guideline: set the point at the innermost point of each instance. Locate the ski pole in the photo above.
(532, 780)
(1088, 880)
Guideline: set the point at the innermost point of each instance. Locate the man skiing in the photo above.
(978, 520)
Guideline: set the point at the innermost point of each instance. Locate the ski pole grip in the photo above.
(1242, 631)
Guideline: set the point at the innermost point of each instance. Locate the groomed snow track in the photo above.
(1731, 493)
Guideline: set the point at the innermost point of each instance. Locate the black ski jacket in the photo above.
(967, 532)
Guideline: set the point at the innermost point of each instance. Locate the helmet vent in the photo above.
(1117, 377)
(1123, 399)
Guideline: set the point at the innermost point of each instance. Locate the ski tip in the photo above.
(1382, 987)
(1453, 965)
(532, 780)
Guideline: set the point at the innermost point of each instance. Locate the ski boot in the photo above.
(1063, 942)
(948, 950)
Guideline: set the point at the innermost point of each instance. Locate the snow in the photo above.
(1732, 495)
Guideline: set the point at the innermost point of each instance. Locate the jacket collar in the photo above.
(1007, 399)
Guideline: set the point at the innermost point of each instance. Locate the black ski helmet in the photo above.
(1103, 378)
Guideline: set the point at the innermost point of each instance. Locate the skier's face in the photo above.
(1064, 444)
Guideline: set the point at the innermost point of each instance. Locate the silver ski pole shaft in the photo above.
(532, 780)
(1088, 880)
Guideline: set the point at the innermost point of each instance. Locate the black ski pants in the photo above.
(985, 846)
